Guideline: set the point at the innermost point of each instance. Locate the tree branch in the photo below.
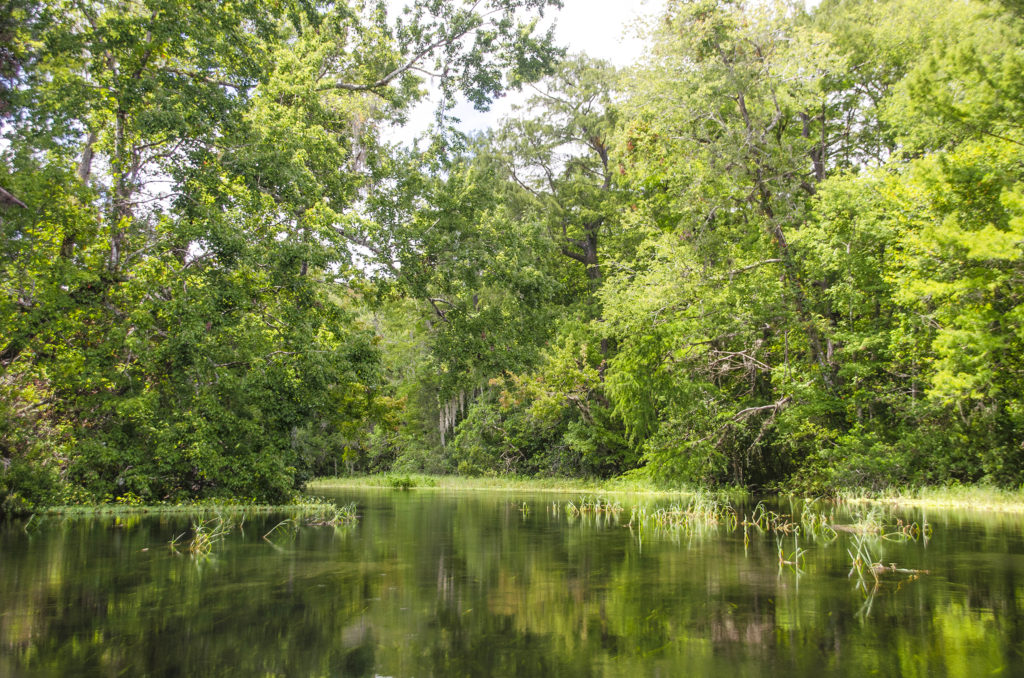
(777, 405)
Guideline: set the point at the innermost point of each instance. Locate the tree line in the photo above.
(783, 249)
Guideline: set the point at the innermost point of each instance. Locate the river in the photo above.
(434, 583)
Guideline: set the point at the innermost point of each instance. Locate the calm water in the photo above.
(433, 584)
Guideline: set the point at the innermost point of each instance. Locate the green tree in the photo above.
(174, 290)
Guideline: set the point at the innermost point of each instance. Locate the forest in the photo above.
(784, 250)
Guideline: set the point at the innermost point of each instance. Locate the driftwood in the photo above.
(878, 568)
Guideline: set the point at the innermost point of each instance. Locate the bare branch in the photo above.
(776, 406)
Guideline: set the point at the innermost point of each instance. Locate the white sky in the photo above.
(600, 28)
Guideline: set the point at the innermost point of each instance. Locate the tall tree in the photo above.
(192, 171)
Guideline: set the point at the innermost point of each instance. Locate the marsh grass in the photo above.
(199, 509)
(873, 523)
(818, 525)
(703, 513)
(794, 558)
(313, 510)
(593, 506)
(617, 486)
(404, 482)
(211, 522)
(862, 560)
(766, 520)
(969, 497)
(321, 512)
(872, 573)
(313, 513)
(206, 534)
(287, 529)
(864, 523)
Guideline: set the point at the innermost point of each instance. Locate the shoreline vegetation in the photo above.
(973, 497)
(421, 481)
(979, 498)
(305, 507)
(783, 250)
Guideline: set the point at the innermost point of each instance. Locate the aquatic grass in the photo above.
(872, 523)
(794, 558)
(321, 512)
(623, 486)
(593, 505)
(766, 520)
(863, 563)
(861, 559)
(704, 512)
(865, 523)
(206, 533)
(29, 527)
(819, 525)
(598, 511)
(908, 531)
(313, 513)
(969, 497)
(287, 528)
(316, 509)
(397, 482)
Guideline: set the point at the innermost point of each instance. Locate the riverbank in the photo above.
(970, 497)
(416, 481)
(305, 507)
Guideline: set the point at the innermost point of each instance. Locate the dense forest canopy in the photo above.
(784, 249)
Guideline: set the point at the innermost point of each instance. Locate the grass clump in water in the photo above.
(314, 513)
(594, 506)
(818, 524)
(766, 520)
(702, 513)
(794, 558)
(872, 523)
(321, 512)
(400, 482)
(206, 533)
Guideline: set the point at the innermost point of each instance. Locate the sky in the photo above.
(600, 28)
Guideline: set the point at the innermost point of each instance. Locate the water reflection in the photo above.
(429, 584)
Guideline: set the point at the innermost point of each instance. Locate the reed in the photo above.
(865, 563)
(872, 523)
(862, 560)
(206, 533)
(570, 486)
(794, 558)
(819, 525)
(593, 506)
(287, 528)
(765, 520)
(967, 497)
(321, 512)
(396, 482)
(704, 512)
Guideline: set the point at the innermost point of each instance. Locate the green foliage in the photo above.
(179, 298)
(784, 249)
(399, 482)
